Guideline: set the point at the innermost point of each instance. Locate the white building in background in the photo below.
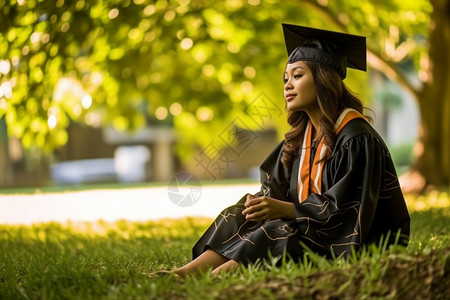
(139, 156)
(397, 116)
(398, 123)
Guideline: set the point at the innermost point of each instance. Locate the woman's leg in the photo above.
(207, 260)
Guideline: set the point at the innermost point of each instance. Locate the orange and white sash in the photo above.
(310, 179)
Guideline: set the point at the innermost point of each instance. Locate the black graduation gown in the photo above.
(361, 201)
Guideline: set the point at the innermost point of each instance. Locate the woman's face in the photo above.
(299, 90)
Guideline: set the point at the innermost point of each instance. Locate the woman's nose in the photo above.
(287, 85)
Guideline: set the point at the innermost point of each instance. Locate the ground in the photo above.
(105, 259)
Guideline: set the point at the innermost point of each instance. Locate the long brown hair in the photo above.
(333, 97)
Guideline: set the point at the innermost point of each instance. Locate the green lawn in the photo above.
(105, 261)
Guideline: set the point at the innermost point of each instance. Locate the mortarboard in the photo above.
(335, 49)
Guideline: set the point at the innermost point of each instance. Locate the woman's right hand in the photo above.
(266, 208)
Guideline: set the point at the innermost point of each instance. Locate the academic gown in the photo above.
(360, 202)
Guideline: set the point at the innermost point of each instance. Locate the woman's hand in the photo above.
(266, 208)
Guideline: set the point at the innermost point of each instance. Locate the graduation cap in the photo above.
(335, 49)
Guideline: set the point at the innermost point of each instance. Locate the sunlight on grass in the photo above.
(176, 228)
(123, 229)
(434, 199)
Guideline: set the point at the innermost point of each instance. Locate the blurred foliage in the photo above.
(194, 64)
(402, 154)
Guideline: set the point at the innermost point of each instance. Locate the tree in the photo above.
(194, 64)
(127, 63)
(433, 161)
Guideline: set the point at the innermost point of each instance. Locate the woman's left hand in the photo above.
(266, 208)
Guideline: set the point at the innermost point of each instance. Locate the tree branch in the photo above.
(374, 59)
(392, 72)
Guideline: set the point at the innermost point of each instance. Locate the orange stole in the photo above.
(310, 179)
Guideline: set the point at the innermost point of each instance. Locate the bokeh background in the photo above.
(134, 91)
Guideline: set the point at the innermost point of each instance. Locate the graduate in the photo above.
(330, 185)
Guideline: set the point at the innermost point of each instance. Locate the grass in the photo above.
(105, 260)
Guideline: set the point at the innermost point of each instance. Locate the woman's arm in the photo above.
(266, 208)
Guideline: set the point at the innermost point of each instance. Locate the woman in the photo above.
(330, 185)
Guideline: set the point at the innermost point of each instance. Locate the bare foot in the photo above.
(161, 273)
(226, 267)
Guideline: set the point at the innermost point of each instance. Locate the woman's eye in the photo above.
(297, 76)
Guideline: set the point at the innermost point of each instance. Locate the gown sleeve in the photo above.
(353, 184)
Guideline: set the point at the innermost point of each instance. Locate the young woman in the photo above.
(330, 185)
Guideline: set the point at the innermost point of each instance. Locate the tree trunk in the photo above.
(433, 148)
(5, 164)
